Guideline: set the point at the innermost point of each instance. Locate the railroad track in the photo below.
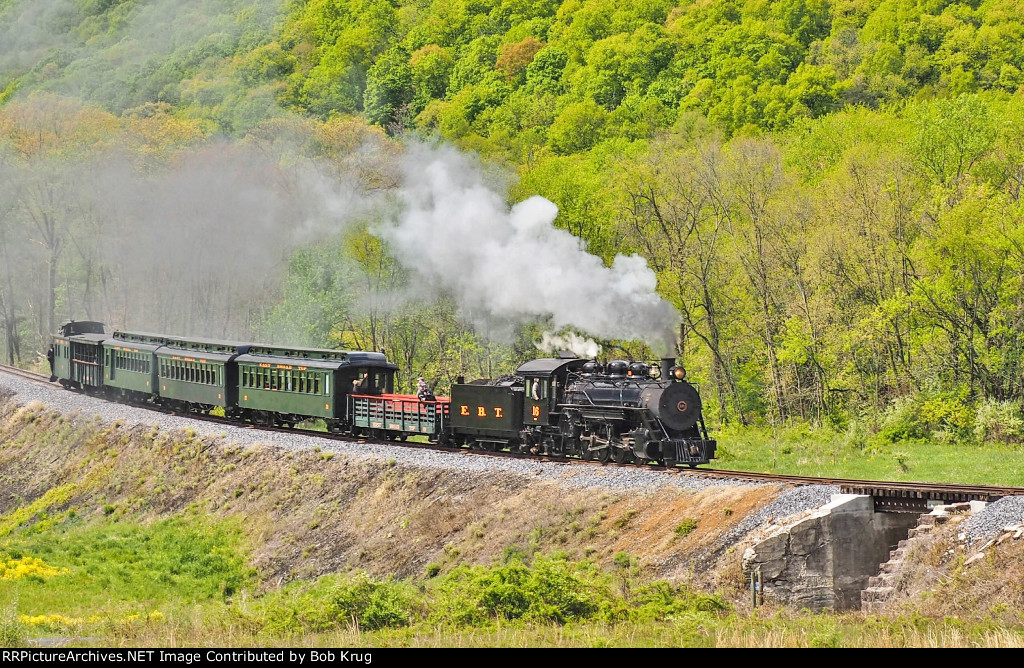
(27, 375)
(888, 495)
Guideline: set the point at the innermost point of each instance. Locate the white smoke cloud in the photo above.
(581, 346)
(514, 264)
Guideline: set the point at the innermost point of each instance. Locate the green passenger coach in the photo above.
(130, 365)
(288, 385)
(198, 374)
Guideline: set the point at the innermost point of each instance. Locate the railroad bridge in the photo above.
(920, 498)
(832, 558)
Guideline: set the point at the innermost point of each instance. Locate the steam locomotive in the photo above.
(621, 411)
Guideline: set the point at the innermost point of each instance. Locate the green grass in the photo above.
(116, 570)
(804, 450)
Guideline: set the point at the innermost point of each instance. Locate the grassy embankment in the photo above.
(139, 538)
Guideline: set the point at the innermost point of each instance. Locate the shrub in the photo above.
(661, 600)
(999, 421)
(372, 604)
(686, 527)
(943, 416)
(12, 631)
(554, 590)
(337, 603)
(901, 421)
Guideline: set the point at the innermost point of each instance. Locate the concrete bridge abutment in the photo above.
(825, 560)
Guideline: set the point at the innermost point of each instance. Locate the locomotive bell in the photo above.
(677, 404)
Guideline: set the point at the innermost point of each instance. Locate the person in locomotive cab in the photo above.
(360, 384)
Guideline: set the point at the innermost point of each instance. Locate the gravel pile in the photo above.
(791, 502)
(997, 516)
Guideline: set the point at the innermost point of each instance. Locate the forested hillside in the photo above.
(828, 192)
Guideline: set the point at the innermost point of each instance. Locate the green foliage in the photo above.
(12, 632)
(337, 602)
(830, 195)
(577, 128)
(388, 88)
(553, 589)
(109, 565)
(999, 421)
(686, 527)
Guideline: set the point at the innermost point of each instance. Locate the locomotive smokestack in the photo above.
(666, 367)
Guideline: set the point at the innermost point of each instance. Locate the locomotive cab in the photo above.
(544, 382)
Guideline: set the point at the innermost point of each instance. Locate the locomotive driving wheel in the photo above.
(586, 454)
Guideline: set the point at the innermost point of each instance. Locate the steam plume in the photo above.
(514, 264)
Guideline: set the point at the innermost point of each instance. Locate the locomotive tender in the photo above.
(622, 411)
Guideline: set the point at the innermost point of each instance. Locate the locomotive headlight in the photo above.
(678, 372)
